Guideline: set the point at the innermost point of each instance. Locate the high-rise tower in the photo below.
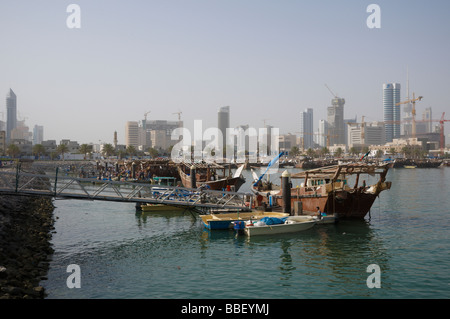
(391, 96)
(335, 119)
(223, 122)
(306, 128)
(11, 113)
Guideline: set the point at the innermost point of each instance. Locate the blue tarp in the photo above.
(273, 220)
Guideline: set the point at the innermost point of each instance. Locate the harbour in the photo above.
(126, 254)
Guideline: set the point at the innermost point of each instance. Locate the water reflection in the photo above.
(333, 255)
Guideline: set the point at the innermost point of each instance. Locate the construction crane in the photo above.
(332, 93)
(145, 115)
(413, 101)
(179, 115)
(441, 122)
(442, 139)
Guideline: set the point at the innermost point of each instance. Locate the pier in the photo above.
(67, 187)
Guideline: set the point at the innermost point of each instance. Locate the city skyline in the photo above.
(268, 61)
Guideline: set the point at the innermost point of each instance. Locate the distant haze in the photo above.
(268, 60)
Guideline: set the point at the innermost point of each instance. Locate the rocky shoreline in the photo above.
(26, 226)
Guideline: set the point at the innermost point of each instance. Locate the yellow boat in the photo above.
(146, 208)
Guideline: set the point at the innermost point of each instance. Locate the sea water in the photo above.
(124, 254)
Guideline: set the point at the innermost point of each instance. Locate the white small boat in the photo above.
(289, 226)
(328, 219)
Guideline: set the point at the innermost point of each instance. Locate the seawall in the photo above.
(26, 224)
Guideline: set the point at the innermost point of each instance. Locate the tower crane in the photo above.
(442, 142)
(145, 121)
(332, 93)
(413, 101)
(179, 115)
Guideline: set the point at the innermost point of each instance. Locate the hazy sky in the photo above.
(266, 59)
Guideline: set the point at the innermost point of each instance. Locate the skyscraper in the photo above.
(132, 134)
(306, 128)
(427, 118)
(38, 134)
(335, 119)
(391, 96)
(11, 113)
(323, 132)
(223, 122)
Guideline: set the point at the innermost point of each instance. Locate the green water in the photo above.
(122, 254)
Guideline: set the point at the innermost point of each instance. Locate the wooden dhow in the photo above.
(210, 175)
(330, 189)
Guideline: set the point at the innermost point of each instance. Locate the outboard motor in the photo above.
(239, 227)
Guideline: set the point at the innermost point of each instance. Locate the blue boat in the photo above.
(225, 220)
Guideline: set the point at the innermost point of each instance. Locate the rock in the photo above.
(3, 273)
(25, 225)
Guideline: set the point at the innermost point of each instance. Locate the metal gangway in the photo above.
(62, 186)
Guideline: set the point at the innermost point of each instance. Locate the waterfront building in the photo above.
(322, 134)
(335, 119)
(132, 134)
(151, 133)
(11, 113)
(72, 146)
(49, 146)
(287, 142)
(346, 122)
(21, 132)
(365, 134)
(391, 111)
(38, 134)
(427, 117)
(158, 134)
(306, 128)
(25, 146)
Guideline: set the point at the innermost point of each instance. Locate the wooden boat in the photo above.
(328, 189)
(289, 226)
(225, 220)
(211, 175)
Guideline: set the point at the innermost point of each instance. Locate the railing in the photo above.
(64, 186)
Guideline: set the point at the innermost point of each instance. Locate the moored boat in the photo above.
(210, 175)
(225, 220)
(287, 225)
(328, 190)
(328, 219)
(147, 208)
